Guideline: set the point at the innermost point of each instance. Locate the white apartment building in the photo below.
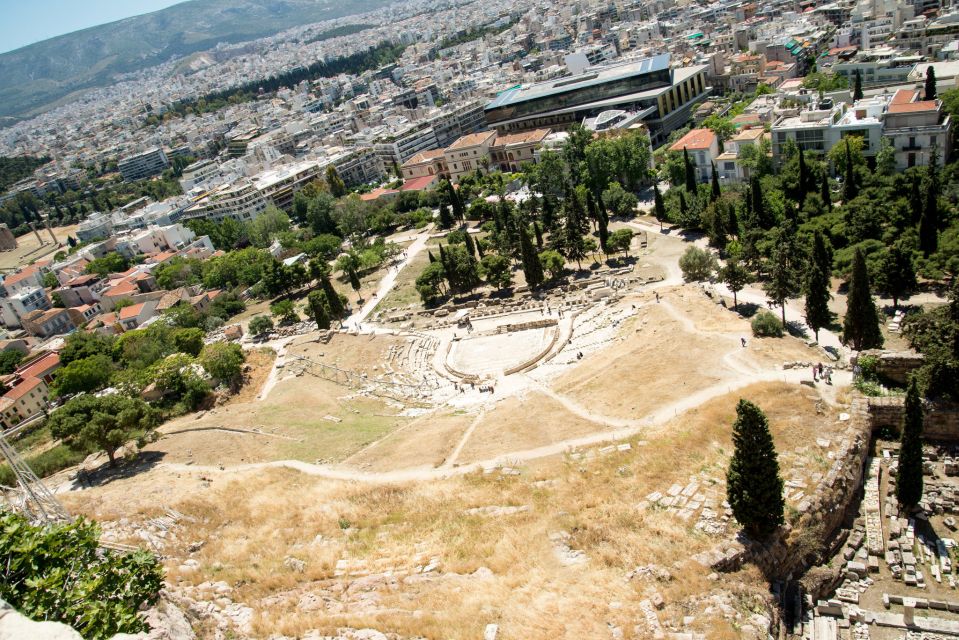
(143, 165)
(96, 226)
(396, 148)
(914, 127)
(238, 200)
(198, 172)
(819, 129)
(16, 305)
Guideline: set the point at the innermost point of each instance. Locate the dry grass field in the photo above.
(29, 250)
(362, 543)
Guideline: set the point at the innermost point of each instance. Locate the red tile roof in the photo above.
(23, 274)
(376, 194)
(22, 389)
(122, 288)
(695, 139)
(424, 156)
(907, 101)
(418, 184)
(126, 313)
(40, 367)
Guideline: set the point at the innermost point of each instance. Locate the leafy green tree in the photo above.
(260, 324)
(61, 573)
(9, 360)
(189, 341)
(552, 262)
(930, 88)
(619, 201)
(909, 477)
(766, 325)
(335, 182)
(861, 324)
(106, 422)
(697, 264)
(896, 275)
(110, 263)
(783, 281)
(886, 158)
(620, 240)
(735, 276)
(497, 270)
(429, 284)
(50, 280)
(721, 126)
(79, 376)
(266, 226)
(285, 312)
(754, 488)
(223, 360)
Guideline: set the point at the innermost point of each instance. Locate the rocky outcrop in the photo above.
(894, 366)
(166, 621)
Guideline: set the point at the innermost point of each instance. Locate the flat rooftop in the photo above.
(588, 79)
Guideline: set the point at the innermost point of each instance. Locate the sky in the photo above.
(24, 22)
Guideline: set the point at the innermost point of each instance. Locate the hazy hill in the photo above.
(34, 77)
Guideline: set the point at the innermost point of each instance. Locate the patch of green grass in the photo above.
(46, 463)
(327, 440)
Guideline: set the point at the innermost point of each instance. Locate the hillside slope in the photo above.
(35, 76)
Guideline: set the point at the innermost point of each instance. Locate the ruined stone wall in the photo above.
(941, 418)
(895, 365)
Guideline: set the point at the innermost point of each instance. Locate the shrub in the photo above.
(697, 264)
(767, 325)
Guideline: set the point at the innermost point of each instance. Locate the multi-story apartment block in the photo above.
(822, 127)
(358, 166)
(14, 306)
(396, 148)
(143, 165)
(915, 127)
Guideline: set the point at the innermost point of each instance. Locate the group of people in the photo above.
(820, 372)
(486, 388)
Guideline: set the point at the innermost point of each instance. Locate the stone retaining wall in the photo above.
(941, 418)
(895, 365)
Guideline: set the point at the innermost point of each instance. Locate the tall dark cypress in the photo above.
(849, 187)
(690, 172)
(532, 269)
(861, 325)
(754, 488)
(824, 191)
(909, 476)
(716, 191)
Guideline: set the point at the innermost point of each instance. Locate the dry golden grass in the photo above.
(426, 441)
(253, 521)
(658, 362)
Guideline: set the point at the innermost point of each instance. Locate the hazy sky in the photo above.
(24, 22)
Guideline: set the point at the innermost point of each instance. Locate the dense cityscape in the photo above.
(458, 319)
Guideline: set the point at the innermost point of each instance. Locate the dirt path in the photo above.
(389, 281)
(455, 454)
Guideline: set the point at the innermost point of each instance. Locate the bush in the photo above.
(697, 264)
(767, 325)
(260, 324)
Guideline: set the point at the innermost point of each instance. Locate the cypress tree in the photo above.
(539, 236)
(470, 245)
(716, 191)
(549, 213)
(354, 279)
(754, 488)
(690, 173)
(446, 217)
(683, 207)
(824, 192)
(816, 287)
(318, 309)
(916, 201)
(929, 222)
(532, 268)
(591, 208)
(332, 298)
(930, 83)
(849, 188)
(861, 324)
(763, 217)
(857, 87)
(659, 207)
(429, 254)
(909, 478)
(603, 227)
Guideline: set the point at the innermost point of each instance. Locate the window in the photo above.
(729, 166)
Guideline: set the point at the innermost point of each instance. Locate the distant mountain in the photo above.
(34, 78)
